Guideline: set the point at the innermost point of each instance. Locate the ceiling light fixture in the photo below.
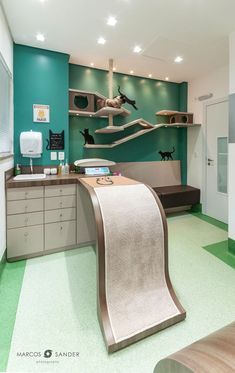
(178, 59)
(40, 37)
(92, 63)
(131, 72)
(150, 75)
(167, 78)
(111, 21)
(137, 49)
(101, 40)
(114, 68)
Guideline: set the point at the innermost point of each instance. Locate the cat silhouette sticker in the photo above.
(88, 138)
(166, 156)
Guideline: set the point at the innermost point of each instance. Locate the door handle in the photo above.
(210, 160)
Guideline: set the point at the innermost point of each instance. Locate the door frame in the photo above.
(204, 149)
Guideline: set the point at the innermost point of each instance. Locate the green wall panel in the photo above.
(40, 77)
(151, 96)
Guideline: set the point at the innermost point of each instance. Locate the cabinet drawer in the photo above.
(24, 206)
(24, 220)
(60, 190)
(24, 241)
(24, 193)
(60, 235)
(53, 203)
(60, 215)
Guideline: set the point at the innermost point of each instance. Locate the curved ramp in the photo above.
(212, 354)
(136, 298)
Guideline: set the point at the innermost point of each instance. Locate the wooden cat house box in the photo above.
(80, 101)
(174, 117)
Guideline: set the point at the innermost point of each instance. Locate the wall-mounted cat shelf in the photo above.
(84, 103)
(147, 127)
(177, 118)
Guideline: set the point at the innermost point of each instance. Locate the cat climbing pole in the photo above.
(135, 295)
(110, 128)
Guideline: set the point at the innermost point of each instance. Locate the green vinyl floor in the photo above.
(57, 307)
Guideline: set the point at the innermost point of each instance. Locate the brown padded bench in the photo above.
(165, 179)
(177, 195)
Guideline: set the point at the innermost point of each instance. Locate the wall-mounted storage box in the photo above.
(176, 116)
(181, 118)
(81, 101)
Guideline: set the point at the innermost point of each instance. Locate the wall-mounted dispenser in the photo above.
(31, 144)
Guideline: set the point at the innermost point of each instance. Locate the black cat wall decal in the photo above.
(88, 138)
(166, 156)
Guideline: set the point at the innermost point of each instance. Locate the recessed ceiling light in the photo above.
(40, 37)
(111, 21)
(42, 1)
(137, 49)
(101, 40)
(178, 59)
(167, 78)
(92, 63)
(131, 72)
(114, 68)
(150, 75)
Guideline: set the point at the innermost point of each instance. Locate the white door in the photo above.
(217, 160)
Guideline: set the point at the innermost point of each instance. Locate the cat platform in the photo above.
(135, 295)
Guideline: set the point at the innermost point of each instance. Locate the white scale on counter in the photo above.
(97, 171)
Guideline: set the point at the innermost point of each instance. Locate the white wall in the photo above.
(217, 82)
(231, 146)
(6, 50)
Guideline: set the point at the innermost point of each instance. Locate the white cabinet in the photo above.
(60, 190)
(40, 219)
(25, 229)
(60, 216)
(24, 241)
(53, 203)
(58, 235)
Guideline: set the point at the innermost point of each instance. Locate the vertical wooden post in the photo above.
(110, 87)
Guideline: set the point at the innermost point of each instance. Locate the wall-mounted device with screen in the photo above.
(96, 171)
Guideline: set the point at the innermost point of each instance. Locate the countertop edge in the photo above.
(49, 180)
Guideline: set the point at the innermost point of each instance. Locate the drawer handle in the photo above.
(26, 207)
(61, 190)
(26, 220)
(61, 228)
(61, 215)
(61, 203)
(26, 234)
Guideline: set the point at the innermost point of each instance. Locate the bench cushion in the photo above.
(178, 195)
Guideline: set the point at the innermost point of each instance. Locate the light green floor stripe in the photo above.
(210, 220)
(220, 250)
(10, 287)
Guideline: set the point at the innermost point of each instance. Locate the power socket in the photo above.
(53, 156)
(61, 156)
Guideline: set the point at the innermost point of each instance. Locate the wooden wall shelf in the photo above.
(101, 113)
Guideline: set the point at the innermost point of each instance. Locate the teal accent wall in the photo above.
(40, 77)
(151, 96)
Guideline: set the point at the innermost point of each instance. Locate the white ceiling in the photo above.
(197, 30)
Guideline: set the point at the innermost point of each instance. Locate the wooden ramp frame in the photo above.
(135, 295)
(212, 354)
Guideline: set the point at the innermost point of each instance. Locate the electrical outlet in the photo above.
(53, 156)
(61, 156)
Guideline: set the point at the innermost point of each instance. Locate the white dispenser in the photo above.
(31, 144)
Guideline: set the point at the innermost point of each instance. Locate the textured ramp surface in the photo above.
(137, 294)
(214, 353)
